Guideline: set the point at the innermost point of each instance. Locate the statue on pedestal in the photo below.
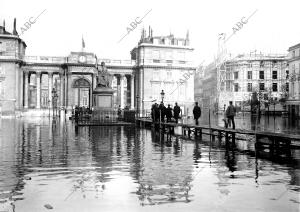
(103, 93)
(103, 77)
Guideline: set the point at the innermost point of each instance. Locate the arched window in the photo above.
(81, 83)
(82, 92)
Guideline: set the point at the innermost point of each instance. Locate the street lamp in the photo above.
(137, 105)
(54, 100)
(162, 94)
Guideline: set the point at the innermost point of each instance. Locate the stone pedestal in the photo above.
(103, 105)
(103, 98)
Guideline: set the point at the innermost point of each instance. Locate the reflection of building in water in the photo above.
(163, 177)
(102, 141)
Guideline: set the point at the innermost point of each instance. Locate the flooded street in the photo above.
(46, 164)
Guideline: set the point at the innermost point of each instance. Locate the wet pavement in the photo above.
(48, 164)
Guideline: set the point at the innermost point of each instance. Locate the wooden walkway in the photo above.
(274, 140)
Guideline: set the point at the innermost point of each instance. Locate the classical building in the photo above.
(38, 83)
(294, 81)
(237, 78)
(164, 63)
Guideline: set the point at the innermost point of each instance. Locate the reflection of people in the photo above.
(230, 113)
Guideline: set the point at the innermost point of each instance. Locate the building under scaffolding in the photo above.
(236, 79)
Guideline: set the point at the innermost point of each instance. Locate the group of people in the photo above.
(161, 112)
(228, 115)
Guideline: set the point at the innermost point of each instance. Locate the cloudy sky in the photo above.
(59, 29)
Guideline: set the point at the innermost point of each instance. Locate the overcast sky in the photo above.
(58, 31)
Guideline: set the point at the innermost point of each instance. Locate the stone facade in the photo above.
(294, 81)
(40, 83)
(163, 63)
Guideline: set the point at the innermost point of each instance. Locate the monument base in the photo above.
(103, 105)
(103, 98)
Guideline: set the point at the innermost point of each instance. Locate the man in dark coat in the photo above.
(230, 113)
(169, 113)
(176, 112)
(153, 112)
(156, 112)
(162, 110)
(197, 113)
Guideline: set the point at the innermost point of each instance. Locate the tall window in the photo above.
(249, 75)
(236, 75)
(155, 75)
(222, 86)
(155, 54)
(287, 87)
(274, 87)
(274, 75)
(236, 87)
(249, 87)
(227, 86)
(169, 75)
(261, 75)
(261, 86)
(287, 74)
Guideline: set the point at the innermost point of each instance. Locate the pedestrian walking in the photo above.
(169, 113)
(176, 111)
(230, 113)
(197, 113)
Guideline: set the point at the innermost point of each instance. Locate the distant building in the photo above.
(236, 79)
(294, 81)
(164, 63)
(206, 86)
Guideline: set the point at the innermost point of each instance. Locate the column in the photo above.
(122, 90)
(69, 94)
(132, 92)
(26, 78)
(141, 91)
(50, 83)
(38, 90)
(94, 81)
(61, 94)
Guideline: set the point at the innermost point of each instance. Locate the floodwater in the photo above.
(245, 121)
(48, 164)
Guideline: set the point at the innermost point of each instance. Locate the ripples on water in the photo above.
(125, 169)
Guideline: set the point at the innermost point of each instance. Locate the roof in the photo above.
(294, 47)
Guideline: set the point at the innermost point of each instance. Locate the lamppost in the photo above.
(137, 105)
(162, 94)
(54, 101)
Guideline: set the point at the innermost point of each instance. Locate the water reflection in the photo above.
(50, 162)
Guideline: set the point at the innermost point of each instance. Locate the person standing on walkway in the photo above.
(156, 112)
(169, 113)
(230, 113)
(162, 110)
(176, 111)
(197, 113)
